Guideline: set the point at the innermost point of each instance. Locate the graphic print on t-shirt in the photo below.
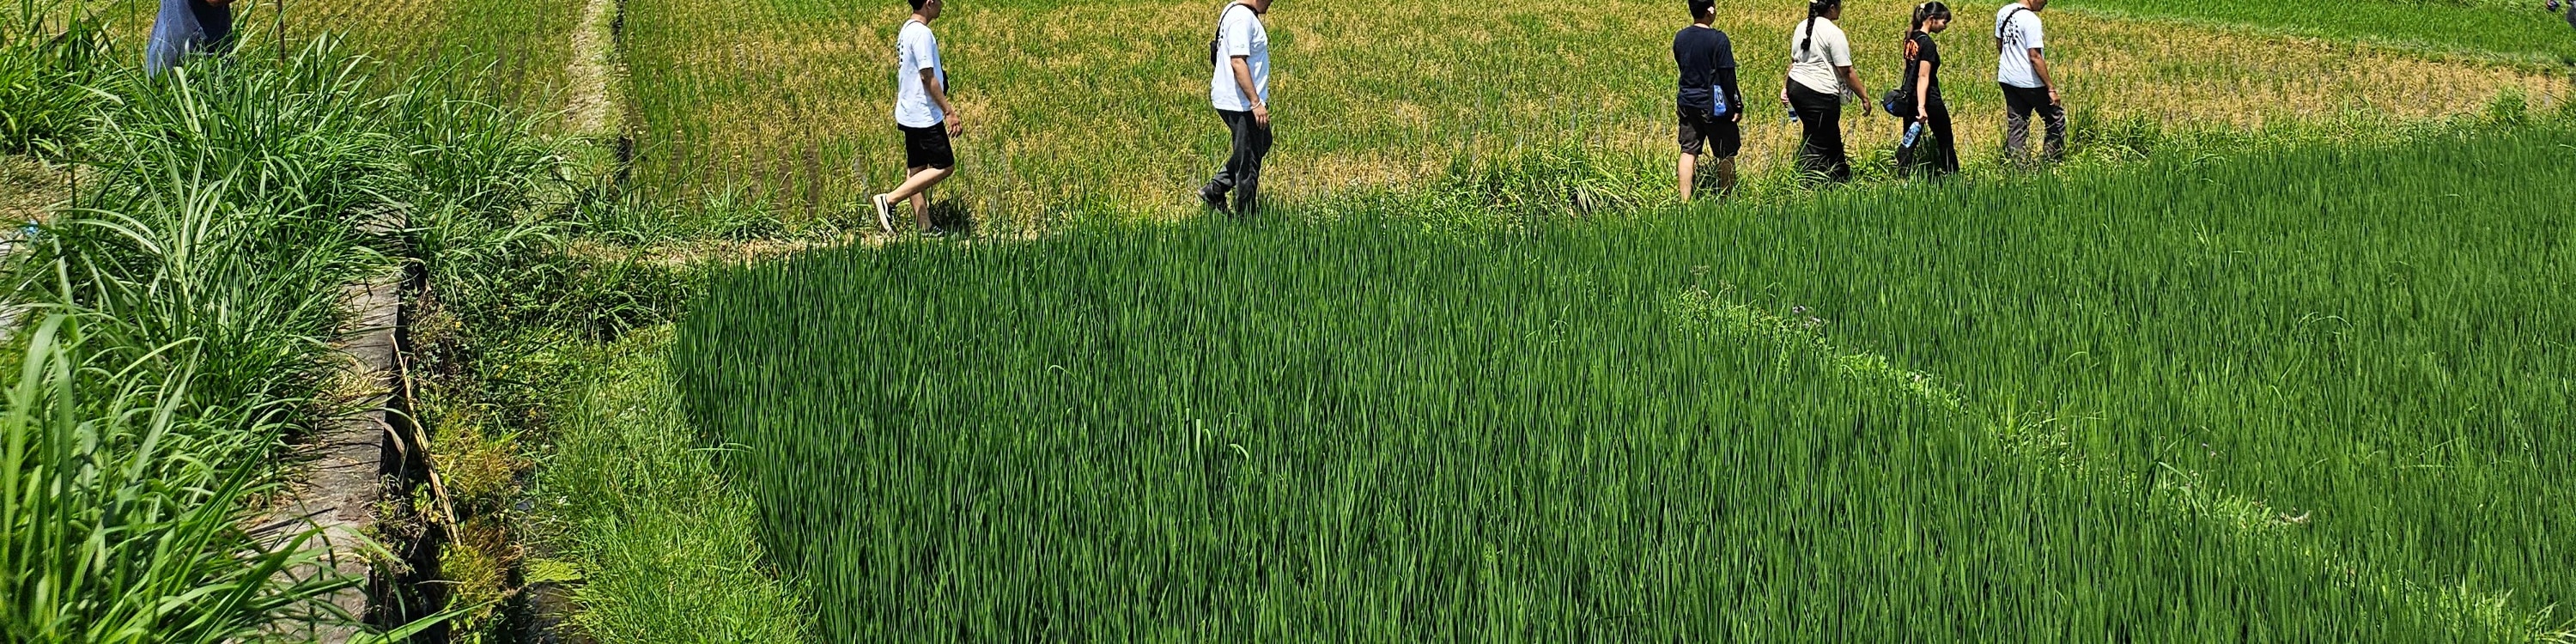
(2020, 31)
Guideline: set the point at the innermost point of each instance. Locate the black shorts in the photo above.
(927, 147)
(1713, 135)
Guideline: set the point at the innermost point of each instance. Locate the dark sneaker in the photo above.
(1214, 200)
(885, 213)
(934, 232)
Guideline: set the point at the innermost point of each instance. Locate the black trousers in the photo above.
(1242, 172)
(1822, 114)
(2022, 102)
(1934, 153)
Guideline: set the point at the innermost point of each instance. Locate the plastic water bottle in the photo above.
(1913, 131)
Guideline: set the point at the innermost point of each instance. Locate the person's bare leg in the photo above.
(1689, 166)
(1726, 177)
(920, 181)
(921, 208)
(919, 184)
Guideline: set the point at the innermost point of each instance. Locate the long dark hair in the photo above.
(1816, 9)
(1927, 12)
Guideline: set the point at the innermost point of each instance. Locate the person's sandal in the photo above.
(885, 213)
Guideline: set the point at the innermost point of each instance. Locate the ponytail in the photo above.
(1816, 10)
(1927, 12)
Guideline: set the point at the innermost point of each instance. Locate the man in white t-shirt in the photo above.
(1239, 88)
(2022, 68)
(922, 112)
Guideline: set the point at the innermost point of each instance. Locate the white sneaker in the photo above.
(885, 213)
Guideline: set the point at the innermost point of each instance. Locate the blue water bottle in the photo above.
(1913, 131)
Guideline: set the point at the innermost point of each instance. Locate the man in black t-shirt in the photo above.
(1708, 105)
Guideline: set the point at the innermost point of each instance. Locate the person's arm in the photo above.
(1922, 90)
(1787, 77)
(1728, 94)
(939, 94)
(1251, 94)
(2039, 65)
(1851, 79)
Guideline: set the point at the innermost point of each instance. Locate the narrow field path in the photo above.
(339, 485)
(592, 110)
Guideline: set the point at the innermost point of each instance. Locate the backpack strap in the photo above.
(2016, 12)
(1216, 44)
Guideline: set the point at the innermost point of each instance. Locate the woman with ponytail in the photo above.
(1930, 150)
(1820, 75)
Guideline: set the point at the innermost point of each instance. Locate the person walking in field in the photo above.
(1711, 110)
(1927, 148)
(1820, 75)
(2022, 69)
(185, 29)
(1239, 89)
(922, 112)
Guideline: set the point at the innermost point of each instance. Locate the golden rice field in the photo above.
(1105, 101)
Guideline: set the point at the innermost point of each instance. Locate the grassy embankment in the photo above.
(2303, 395)
(1103, 103)
(181, 308)
(215, 222)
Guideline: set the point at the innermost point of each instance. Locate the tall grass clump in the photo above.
(48, 65)
(123, 504)
(230, 210)
(204, 268)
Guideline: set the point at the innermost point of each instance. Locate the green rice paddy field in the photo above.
(2318, 394)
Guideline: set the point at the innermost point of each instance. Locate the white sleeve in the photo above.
(1838, 52)
(1238, 33)
(2032, 34)
(920, 53)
